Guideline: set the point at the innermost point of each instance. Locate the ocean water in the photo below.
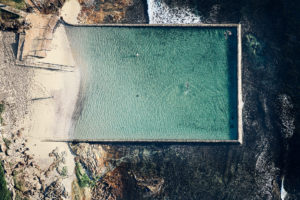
(155, 83)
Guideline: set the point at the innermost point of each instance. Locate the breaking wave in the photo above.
(160, 13)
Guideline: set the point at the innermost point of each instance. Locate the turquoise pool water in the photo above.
(156, 83)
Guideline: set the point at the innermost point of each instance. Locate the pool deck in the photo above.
(239, 140)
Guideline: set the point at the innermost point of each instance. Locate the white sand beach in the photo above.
(51, 117)
(70, 11)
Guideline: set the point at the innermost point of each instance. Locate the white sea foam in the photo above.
(283, 192)
(287, 119)
(160, 13)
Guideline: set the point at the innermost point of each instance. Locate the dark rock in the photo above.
(55, 191)
(117, 184)
(119, 11)
(48, 6)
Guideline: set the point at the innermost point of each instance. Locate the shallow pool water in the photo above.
(156, 83)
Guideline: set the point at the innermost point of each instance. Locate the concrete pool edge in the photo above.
(239, 86)
(239, 75)
(141, 141)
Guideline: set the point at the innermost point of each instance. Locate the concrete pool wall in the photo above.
(239, 139)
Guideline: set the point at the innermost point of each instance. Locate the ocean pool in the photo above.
(156, 83)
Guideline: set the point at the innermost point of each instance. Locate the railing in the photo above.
(48, 66)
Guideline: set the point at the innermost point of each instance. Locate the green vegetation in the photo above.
(19, 4)
(4, 192)
(254, 45)
(17, 181)
(1, 110)
(82, 177)
(256, 48)
(64, 171)
(1, 107)
(7, 142)
(77, 192)
(19, 196)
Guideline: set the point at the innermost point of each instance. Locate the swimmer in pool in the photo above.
(227, 33)
(187, 86)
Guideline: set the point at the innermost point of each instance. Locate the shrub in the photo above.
(1, 110)
(1, 107)
(82, 177)
(4, 192)
(64, 171)
(7, 142)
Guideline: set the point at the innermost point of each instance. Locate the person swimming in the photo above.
(227, 33)
(187, 86)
